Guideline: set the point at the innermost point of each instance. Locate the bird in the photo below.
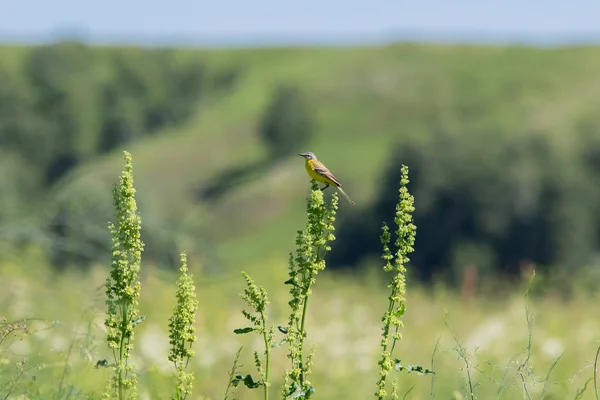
(320, 173)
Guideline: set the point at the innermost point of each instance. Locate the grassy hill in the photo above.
(364, 101)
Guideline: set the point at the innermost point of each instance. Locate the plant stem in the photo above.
(121, 349)
(304, 310)
(267, 351)
(596, 373)
(394, 340)
(303, 335)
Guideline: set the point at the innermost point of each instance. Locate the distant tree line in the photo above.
(286, 124)
(64, 103)
(67, 102)
(489, 190)
(495, 201)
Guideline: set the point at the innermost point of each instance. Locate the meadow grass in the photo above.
(505, 345)
(345, 326)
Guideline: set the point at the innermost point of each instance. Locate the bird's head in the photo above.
(308, 156)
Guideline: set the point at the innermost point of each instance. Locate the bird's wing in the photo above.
(322, 170)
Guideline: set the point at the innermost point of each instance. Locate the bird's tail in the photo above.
(346, 196)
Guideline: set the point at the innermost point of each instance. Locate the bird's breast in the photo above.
(310, 168)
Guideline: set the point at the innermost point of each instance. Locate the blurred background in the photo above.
(493, 107)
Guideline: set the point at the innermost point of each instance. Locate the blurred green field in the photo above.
(344, 323)
(364, 101)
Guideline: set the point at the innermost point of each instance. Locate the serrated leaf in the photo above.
(241, 331)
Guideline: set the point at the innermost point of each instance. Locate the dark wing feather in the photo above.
(322, 170)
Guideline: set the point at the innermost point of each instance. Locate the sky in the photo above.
(308, 21)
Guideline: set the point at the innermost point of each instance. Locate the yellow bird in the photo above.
(320, 173)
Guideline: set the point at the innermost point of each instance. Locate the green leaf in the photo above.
(241, 331)
(102, 363)
(400, 311)
(139, 320)
(248, 381)
(299, 392)
(296, 394)
(412, 368)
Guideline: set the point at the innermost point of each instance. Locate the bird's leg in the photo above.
(325, 187)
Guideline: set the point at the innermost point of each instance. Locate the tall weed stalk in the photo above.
(182, 333)
(256, 297)
(395, 266)
(312, 244)
(123, 286)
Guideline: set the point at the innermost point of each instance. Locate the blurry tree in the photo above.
(80, 101)
(19, 219)
(489, 199)
(64, 103)
(65, 97)
(18, 123)
(285, 124)
(77, 224)
(149, 90)
(489, 190)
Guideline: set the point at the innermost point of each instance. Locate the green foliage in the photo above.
(92, 102)
(19, 224)
(123, 286)
(234, 378)
(503, 138)
(141, 101)
(396, 266)
(257, 299)
(312, 244)
(509, 199)
(286, 125)
(11, 369)
(18, 124)
(16, 369)
(182, 331)
(63, 90)
(64, 103)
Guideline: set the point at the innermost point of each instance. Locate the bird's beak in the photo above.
(302, 154)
